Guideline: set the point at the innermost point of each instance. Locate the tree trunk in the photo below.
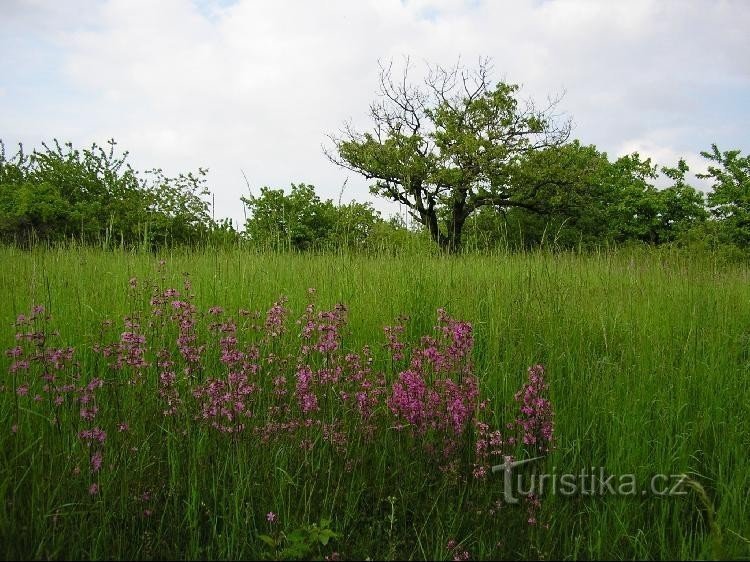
(450, 242)
(430, 220)
(456, 225)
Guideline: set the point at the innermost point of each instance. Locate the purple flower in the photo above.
(535, 418)
(275, 318)
(96, 462)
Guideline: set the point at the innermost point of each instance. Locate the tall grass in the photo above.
(647, 357)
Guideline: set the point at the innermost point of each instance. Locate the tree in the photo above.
(568, 190)
(94, 196)
(730, 198)
(295, 221)
(628, 207)
(582, 199)
(177, 206)
(300, 220)
(448, 146)
(683, 206)
(355, 224)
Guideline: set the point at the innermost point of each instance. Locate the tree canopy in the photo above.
(300, 220)
(457, 143)
(449, 145)
(472, 162)
(94, 195)
(730, 198)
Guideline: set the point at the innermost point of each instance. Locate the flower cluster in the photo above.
(437, 392)
(248, 376)
(535, 418)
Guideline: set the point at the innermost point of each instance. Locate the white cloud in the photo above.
(257, 86)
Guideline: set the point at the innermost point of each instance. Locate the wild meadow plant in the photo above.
(188, 433)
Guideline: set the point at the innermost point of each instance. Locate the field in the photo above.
(646, 355)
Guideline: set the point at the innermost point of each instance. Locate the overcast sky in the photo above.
(256, 86)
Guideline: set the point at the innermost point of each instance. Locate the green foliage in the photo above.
(294, 221)
(730, 198)
(683, 206)
(464, 154)
(456, 159)
(302, 221)
(448, 148)
(94, 196)
(576, 197)
(303, 543)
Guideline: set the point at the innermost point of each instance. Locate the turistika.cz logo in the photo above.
(590, 481)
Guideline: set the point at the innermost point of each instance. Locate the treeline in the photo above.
(465, 154)
(582, 200)
(300, 220)
(61, 194)
(578, 198)
(93, 196)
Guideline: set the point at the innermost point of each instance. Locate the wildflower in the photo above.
(96, 462)
(94, 434)
(19, 366)
(271, 517)
(94, 384)
(275, 318)
(14, 352)
(395, 345)
(458, 555)
(89, 413)
(480, 472)
(94, 489)
(535, 417)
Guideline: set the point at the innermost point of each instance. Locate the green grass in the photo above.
(648, 359)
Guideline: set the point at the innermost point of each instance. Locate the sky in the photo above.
(257, 87)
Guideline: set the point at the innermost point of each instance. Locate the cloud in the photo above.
(257, 86)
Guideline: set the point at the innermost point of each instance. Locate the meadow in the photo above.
(140, 442)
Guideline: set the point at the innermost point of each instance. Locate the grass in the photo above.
(647, 356)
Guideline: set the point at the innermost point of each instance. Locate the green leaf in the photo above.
(270, 541)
